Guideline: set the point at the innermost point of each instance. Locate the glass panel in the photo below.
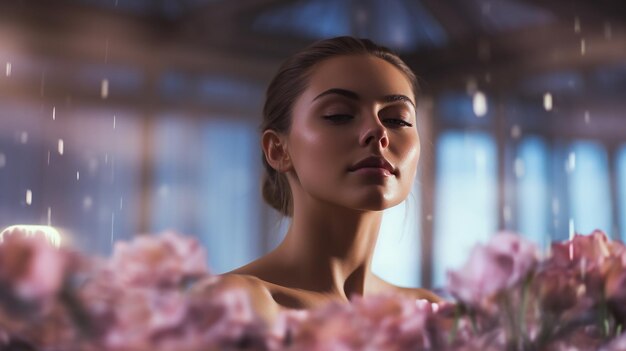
(207, 186)
(465, 199)
(589, 187)
(533, 199)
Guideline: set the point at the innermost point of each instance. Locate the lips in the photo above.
(373, 162)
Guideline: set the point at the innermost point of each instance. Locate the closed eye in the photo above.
(337, 119)
(396, 122)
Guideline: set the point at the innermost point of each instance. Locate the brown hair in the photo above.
(290, 81)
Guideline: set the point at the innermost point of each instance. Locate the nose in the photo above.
(374, 132)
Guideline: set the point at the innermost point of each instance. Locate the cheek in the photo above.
(409, 151)
(316, 150)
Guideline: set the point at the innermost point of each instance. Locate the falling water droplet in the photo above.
(583, 47)
(8, 69)
(121, 203)
(23, 137)
(3, 160)
(577, 24)
(570, 165)
(54, 113)
(113, 121)
(519, 167)
(479, 104)
(29, 197)
(104, 89)
(60, 146)
(48, 157)
(587, 117)
(516, 131)
(547, 101)
(77, 175)
(49, 216)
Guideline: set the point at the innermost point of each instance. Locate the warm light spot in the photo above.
(104, 88)
(479, 104)
(516, 131)
(547, 101)
(50, 233)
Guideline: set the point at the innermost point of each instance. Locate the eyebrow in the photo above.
(354, 96)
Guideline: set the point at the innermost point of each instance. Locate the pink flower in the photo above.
(158, 261)
(31, 267)
(593, 248)
(504, 262)
(386, 322)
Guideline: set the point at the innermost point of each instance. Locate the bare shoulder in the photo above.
(414, 293)
(419, 293)
(260, 296)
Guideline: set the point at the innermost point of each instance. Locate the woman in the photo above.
(340, 145)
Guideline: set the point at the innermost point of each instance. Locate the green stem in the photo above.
(455, 326)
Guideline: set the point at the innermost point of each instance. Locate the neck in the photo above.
(330, 249)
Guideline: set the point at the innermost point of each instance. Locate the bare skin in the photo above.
(353, 107)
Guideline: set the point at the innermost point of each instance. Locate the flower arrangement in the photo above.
(143, 298)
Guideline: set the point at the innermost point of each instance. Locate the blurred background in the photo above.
(128, 117)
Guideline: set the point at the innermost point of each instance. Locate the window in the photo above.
(533, 190)
(207, 185)
(465, 198)
(589, 187)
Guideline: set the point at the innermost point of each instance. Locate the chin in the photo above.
(377, 202)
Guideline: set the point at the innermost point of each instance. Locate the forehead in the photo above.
(368, 76)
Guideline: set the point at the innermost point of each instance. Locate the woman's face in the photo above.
(355, 108)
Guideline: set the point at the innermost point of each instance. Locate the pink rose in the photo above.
(159, 261)
(386, 322)
(504, 262)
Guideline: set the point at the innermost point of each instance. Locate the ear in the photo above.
(275, 150)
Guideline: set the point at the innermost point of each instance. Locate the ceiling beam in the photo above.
(516, 55)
